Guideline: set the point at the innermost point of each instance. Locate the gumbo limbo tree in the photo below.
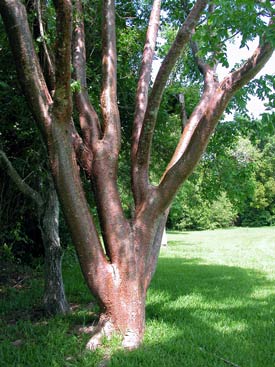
(118, 269)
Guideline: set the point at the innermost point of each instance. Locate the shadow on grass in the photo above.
(206, 315)
(197, 316)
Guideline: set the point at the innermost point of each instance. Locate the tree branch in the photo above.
(88, 118)
(63, 160)
(210, 86)
(62, 96)
(110, 113)
(142, 90)
(74, 204)
(83, 152)
(183, 113)
(238, 78)
(182, 38)
(48, 69)
(19, 182)
(145, 74)
(58, 134)
(202, 66)
(203, 121)
(192, 144)
(105, 159)
(30, 75)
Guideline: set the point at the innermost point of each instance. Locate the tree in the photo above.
(119, 270)
(47, 206)
(29, 205)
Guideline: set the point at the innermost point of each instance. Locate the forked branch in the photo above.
(202, 66)
(142, 92)
(182, 38)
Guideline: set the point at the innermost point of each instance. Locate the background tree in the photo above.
(119, 270)
(47, 209)
(29, 206)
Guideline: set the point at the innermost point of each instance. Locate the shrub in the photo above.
(199, 214)
(222, 212)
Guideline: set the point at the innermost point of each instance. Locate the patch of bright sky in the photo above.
(235, 55)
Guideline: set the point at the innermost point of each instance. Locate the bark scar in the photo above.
(116, 275)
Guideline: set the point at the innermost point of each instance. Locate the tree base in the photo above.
(131, 339)
(103, 329)
(56, 307)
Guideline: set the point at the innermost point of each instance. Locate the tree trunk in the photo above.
(123, 311)
(123, 287)
(54, 294)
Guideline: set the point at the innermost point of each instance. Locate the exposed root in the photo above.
(85, 329)
(104, 329)
(131, 340)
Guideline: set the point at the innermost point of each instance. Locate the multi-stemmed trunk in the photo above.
(120, 277)
(118, 269)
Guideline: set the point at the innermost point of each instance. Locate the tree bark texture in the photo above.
(54, 299)
(119, 269)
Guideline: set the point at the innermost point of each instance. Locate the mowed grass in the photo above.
(211, 304)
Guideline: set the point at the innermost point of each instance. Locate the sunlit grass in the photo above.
(211, 303)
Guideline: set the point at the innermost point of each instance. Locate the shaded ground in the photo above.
(211, 304)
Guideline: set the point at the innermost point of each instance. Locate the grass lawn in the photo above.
(211, 304)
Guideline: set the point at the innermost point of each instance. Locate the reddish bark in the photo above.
(120, 274)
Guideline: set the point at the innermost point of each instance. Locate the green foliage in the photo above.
(20, 139)
(198, 213)
(234, 178)
(254, 217)
(6, 253)
(75, 86)
(261, 209)
(222, 212)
